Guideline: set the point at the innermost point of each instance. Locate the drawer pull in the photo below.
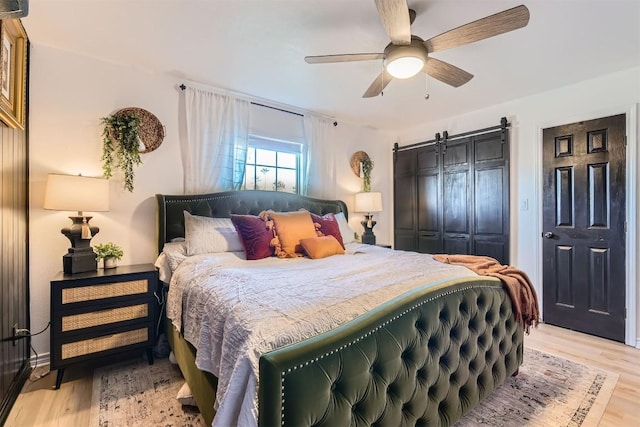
(103, 317)
(95, 345)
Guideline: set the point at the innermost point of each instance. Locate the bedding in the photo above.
(233, 310)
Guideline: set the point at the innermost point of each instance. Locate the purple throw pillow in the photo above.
(329, 226)
(254, 235)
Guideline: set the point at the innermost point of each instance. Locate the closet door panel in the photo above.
(456, 246)
(488, 201)
(491, 197)
(428, 197)
(404, 197)
(455, 202)
(429, 236)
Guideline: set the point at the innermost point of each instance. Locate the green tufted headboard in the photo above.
(425, 358)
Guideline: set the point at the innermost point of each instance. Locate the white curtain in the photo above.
(319, 179)
(214, 152)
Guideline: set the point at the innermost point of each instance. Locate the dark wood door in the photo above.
(491, 196)
(404, 200)
(584, 227)
(457, 200)
(429, 199)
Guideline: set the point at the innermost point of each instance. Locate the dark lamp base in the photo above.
(368, 237)
(79, 262)
(81, 257)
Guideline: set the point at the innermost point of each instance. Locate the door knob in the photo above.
(548, 235)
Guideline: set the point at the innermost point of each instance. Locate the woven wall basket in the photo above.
(150, 132)
(356, 159)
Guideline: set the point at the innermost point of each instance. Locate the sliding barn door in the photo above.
(452, 196)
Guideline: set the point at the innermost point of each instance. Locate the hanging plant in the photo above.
(367, 167)
(120, 140)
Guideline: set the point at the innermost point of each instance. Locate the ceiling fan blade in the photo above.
(378, 85)
(349, 57)
(446, 73)
(493, 25)
(394, 15)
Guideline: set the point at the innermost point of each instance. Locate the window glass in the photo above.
(272, 165)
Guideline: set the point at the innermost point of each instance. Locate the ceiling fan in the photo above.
(408, 54)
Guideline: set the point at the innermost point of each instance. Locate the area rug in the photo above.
(140, 395)
(548, 391)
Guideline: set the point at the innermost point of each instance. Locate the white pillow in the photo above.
(206, 235)
(345, 231)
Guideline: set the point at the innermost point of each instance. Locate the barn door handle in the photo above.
(548, 235)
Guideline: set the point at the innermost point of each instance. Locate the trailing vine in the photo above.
(120, 140)
(367, 167)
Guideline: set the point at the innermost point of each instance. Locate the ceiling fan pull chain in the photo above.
(426, 86)
(382, 80)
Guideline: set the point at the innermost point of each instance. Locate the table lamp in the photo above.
(78, 193)
(368, 202)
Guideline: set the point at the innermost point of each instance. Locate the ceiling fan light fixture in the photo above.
(405, 66)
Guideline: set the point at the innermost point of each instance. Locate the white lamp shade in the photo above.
(76, 193)
(370, 201)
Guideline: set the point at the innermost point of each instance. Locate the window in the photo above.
(272, 165)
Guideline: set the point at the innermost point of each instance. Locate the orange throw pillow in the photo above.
(291, 227)
(322, 247)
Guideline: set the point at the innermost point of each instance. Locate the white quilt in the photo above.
(233, 310)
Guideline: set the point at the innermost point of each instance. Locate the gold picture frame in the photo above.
(13, 72)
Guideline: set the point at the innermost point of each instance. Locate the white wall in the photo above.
(608, 95)
(68, 96)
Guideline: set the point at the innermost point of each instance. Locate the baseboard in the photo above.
(43, 359)
(12, 393)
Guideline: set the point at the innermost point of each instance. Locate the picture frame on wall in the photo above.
(13, 71)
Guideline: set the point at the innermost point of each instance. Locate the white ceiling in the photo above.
(257, 47)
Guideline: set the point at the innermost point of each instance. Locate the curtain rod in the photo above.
(335, 123)
(446, 137)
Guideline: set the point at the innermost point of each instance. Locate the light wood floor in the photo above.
(40, 406)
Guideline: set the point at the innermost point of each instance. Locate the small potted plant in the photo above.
(109, 252)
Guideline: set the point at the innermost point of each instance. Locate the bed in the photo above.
(424, 357)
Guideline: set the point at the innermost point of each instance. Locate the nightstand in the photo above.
(102, 313)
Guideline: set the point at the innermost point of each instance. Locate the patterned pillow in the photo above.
(328, 226)
(290, 228)
(205, 235)
(321, 247)
(255, 234)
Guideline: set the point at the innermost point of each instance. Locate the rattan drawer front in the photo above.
(104, 317)
(95, 345)
(107, 290)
